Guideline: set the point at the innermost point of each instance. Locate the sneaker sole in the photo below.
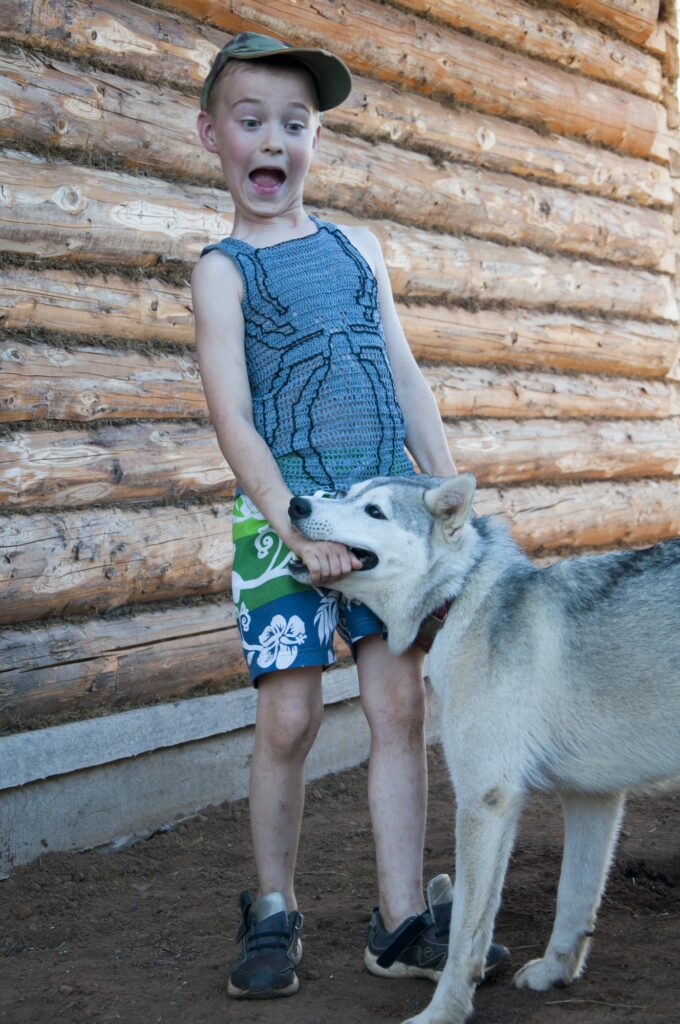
(401, 970)
(398, 969)
(271, 993)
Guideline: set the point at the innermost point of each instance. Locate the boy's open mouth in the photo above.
(267, 179)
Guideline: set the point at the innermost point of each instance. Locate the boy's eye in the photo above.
(375, 512)
(250, 122)
(295, 126)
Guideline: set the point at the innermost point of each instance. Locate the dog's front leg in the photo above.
(591, 825)
(485, 830)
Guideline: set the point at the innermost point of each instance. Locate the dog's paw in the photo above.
(434, 1016)
(540, 975)
(426, 1018)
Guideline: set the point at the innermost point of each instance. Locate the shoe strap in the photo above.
(259, 940)
(441, 915)
(405, 938)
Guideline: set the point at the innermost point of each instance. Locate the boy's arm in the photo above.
(216, 288)
(425, 437)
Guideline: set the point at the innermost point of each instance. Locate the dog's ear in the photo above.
(451, 501)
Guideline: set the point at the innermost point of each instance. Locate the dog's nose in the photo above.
(299, 508)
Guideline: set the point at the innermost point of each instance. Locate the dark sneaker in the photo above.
(418, 947)
(270, 949)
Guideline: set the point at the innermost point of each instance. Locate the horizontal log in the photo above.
(111, 306)
(56, 210)
(380, 111)
(143, 310)
(521, 338)
(633, 19)
(105, 663)
(493, 393)
(422, 266)
(506, 451)
(164, 44)
(69, 212)
(50, 103)
(548, 33)
(47, 382)
(142, 462)
(87, 563)
(131, 659)
(420, 262)
(381, 181)
(159, 42)
(433, 59)
(153, 42)
(138, 462)
(589, 515)
(84, 563)
(61, 210)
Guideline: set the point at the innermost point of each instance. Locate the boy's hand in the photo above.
(326, 560)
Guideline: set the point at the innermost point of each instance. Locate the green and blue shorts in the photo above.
(285, 624)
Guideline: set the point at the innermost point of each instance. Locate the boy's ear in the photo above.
(206, 131)
(317, 133)
(451, 501)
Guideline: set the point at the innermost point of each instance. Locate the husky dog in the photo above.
(563, 678)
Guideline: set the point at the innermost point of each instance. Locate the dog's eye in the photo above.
(374, 512)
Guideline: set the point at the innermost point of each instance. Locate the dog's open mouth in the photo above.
(368, 560)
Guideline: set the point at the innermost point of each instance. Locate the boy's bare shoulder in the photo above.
(217, 270)
(364, 240)
(358, 233)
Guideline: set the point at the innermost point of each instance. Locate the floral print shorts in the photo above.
(283, 623)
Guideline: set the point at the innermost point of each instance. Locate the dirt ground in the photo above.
(144, 934)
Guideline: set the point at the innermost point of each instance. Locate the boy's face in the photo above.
(264, 125)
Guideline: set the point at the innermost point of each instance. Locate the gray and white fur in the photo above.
(564, 678)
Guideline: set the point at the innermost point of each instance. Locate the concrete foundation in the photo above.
(114, 779)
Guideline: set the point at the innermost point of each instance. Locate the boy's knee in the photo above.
(399, 710)
(289, 727)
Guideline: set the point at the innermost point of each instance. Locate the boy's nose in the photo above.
(271, 143)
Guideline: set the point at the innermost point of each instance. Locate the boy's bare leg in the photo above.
(289, 712)
(393, 699)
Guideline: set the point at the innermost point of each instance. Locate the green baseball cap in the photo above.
(332, 77)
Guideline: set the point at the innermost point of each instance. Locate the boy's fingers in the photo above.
(329, 561)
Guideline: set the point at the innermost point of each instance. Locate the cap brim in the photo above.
(332, 76)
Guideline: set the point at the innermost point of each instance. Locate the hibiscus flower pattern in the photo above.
(278, 643)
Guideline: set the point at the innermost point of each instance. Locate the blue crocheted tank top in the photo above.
(322, 390)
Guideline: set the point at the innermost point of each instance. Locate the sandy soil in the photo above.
(144, 934)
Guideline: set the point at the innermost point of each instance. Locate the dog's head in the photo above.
(397, 527)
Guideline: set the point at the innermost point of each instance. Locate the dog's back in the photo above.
(601, 637)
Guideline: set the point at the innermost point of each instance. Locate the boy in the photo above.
(311, 385)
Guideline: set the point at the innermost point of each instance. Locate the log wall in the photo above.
(519, 163)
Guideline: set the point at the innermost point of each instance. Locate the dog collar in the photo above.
(431, 625)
